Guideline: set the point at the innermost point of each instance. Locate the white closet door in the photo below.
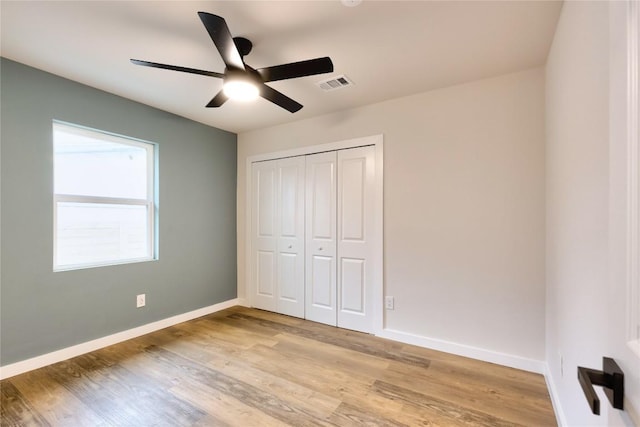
(278, 235)
(356, 180)
(290, 232)
(320, 254)
(264, 232)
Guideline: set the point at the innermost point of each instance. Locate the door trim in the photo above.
(633, 178)
(378, 230)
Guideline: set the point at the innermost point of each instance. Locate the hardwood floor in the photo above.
(246, 367)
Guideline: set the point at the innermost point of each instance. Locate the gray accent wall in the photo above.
(43, 311)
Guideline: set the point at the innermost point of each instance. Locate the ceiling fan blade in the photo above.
(177, 68)
(296, 69)
(218, 100)
(219, 31)
(279, 99)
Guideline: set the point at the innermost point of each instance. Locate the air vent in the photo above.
(334, 83)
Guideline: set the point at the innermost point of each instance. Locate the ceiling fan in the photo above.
(240, 80)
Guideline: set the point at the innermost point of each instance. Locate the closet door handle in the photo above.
(320, 248)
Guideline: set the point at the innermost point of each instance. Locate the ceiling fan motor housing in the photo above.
(244, 45)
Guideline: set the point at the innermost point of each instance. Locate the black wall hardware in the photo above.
(611, 378)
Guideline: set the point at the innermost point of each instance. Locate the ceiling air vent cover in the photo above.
(334, 83)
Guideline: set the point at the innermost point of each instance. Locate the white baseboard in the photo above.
(555, 399)
(512, 361)
(86, 347)
(504, 359)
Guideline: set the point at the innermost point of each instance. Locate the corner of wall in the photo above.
(555, 397)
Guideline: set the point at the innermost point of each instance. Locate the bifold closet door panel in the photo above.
(278, 235)
(264, 235)
(356, 181)
(290, 231)
(320, 214)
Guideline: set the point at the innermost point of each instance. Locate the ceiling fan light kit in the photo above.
(241, 86)
(240, 81)
(240, 90)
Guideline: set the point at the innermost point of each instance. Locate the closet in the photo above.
(312, 228)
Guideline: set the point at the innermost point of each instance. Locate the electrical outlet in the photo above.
(141, 300)
(388, 303)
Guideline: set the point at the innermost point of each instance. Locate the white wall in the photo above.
(585, 251)
(577, 198)
(463, 207)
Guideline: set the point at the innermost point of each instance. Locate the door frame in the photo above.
(377, 282)
(631, 357)
(633, 178)
(623, 340)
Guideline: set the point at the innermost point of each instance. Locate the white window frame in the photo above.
(149, 202)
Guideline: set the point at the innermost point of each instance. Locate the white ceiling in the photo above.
(388, 48)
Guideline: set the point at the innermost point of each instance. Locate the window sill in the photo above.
(97, 265)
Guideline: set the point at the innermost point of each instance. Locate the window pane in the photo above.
(88, 166)
(95, 233)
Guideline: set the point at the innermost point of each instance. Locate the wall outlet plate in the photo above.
(141, 300)
(388, 303)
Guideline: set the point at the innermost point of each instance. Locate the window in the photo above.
(104, 209)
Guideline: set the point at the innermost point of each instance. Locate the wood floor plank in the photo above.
(350, 415)
(15, 410)
(337, 357)
(267, 315)
(240, 337)
(334, 383)
(248, 367)
(274, 406)
(235, 366)
(54, 402)
(346, 334)
(339, 341)
(461, 389)
(438, 407)
(313, 402)
(223, 410)
(120, 396)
